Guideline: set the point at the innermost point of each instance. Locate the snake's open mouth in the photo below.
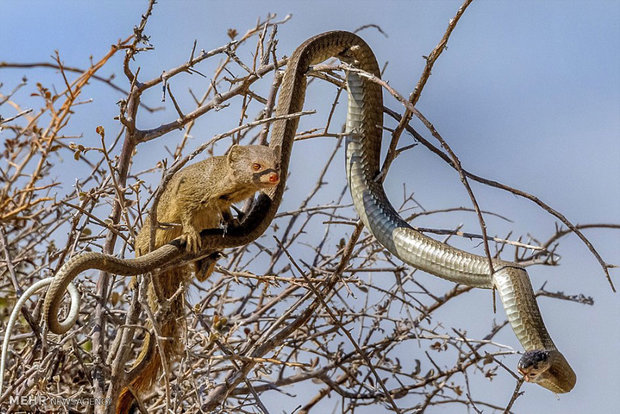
(526, 375)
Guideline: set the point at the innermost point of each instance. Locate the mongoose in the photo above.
(197, 197)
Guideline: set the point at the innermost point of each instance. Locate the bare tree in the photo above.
(315, 303)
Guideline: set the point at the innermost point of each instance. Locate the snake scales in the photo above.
(542, 363)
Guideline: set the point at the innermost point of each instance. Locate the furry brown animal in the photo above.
(198, 197)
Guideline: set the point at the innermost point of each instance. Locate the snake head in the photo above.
(533, 364)
(549, 369)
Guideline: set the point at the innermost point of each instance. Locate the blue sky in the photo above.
(527, 93)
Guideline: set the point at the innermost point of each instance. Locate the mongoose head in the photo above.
(255, 165)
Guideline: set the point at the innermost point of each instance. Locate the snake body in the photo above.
(85, 261)
(542, 363)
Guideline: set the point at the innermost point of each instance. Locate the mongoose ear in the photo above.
(276, 150)
(234, 153)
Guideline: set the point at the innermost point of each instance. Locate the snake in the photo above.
(542, 363)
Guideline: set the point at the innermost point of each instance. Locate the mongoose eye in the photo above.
(256, 166)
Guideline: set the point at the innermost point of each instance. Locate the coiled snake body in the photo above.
(542, 363)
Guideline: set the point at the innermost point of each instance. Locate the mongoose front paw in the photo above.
(192, 241)
(227, 219)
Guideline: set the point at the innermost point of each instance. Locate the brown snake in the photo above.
(542, 363)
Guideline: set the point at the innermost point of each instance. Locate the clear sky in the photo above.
(527, 93)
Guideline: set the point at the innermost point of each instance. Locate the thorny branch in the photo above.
(256, 328)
